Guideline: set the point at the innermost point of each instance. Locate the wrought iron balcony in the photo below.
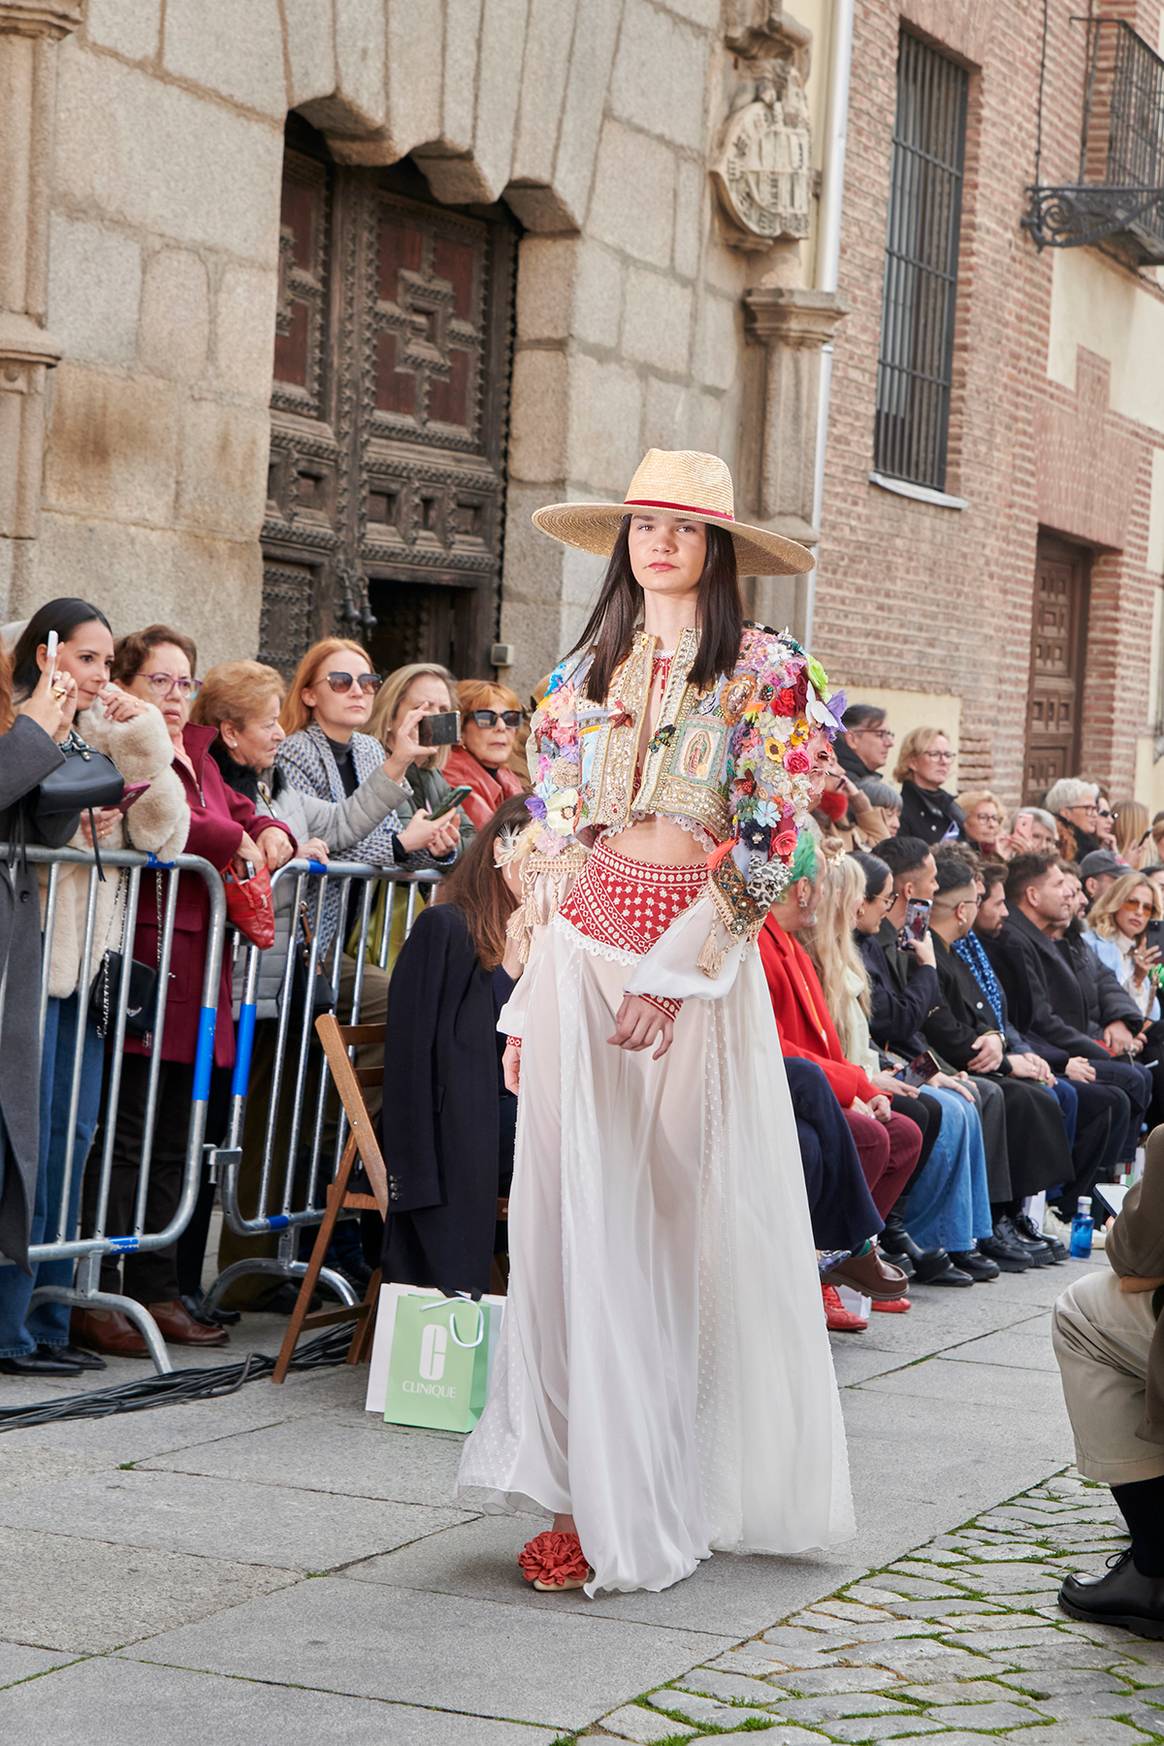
(1119, 193)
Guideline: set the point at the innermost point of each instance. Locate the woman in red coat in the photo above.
(889, 1145)
(490, 718)
(158, 664)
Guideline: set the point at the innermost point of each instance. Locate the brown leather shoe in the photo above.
(102, 1330)
(870, 1275)
(177, 1325)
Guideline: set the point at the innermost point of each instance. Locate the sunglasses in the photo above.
(487, 718)
(369, 682)
(162, 684)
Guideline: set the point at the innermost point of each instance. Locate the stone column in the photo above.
(29, 33)
(793, 324)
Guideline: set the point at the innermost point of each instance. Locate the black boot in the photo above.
(1123, 1597)
(929, 1266)
(1037, 1251)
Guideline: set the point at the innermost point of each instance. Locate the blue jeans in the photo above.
(948, 1204)
(22, 1330)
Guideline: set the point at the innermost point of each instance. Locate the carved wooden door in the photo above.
(1058, 633)
(388, 415)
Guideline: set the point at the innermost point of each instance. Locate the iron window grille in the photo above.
(915, 359)
(1119, 191)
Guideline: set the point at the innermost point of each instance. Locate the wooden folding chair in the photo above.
(363, 1146)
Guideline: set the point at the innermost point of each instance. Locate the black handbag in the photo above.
(142, 996)
(85, 781)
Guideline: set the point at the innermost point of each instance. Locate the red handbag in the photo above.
(249, 906)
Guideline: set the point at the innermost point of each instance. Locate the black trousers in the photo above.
(1136, 1084)
(839, 1203)
(1104, 1116)
(151, 1277)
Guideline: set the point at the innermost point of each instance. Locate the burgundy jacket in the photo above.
(218, 818)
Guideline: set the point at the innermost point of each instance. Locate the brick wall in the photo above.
(922, 597)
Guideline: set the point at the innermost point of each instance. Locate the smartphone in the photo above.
(916, 924)
(51, 645)
(454, 798)
(1154, 936)
(133, 791)
(440, 730)
(919, 1071)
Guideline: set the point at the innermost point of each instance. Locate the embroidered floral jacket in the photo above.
(732, 763)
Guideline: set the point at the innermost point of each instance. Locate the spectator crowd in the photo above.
(966, 996)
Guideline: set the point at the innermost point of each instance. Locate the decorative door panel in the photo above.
(1058, 632)
(388, 413)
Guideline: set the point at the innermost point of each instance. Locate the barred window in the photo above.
(921, 267)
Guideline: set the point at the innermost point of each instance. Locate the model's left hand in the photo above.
(276, 845)
(639, 1024)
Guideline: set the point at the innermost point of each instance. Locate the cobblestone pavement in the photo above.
(959, 1642)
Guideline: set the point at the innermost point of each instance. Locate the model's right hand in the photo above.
(639, 1024)
(511, 1065)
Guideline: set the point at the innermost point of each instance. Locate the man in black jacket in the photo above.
(964, 1031)
(1068, 1015)
(863, 749)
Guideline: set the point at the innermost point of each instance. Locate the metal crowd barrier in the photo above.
(304, 1129)
(97, 1242)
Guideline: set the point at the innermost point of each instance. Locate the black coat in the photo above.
(27, 755)
(853, 764)
(932, 815)
(447, 1122)
(1058, 1006)
(903, 992)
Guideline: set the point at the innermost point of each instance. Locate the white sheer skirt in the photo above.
(664, 1371)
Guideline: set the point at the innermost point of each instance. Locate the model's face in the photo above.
(342, 693)
(871, 744)
(931, 767)
(257, 740)
(1134, 914)
(164, 678)
(873, 911)
(87, 657)
(667, 554)
(992, 911)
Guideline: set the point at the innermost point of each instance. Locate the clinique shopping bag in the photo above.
(431, 1357)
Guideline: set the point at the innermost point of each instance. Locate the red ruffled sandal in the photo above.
(554, 1562)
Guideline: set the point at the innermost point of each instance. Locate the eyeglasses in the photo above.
(878, 734)
(487, 718)
(369, 682)
(1083, 806)
(162, 684)
(1106, 812)
(987, 818)
(1137, 903)
(939, 757)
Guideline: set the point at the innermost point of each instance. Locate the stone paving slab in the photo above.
(366, 1640)
(112, 1702)
(63, 1593)
(306, 1531)
(18, 1662)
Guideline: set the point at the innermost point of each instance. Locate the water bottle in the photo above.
(1081, 1229)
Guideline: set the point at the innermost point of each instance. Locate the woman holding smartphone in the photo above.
(437, 796)
(72, 638)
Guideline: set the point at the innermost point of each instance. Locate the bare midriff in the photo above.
(657, 840)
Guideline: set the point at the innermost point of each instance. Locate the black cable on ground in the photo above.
(179, 1387)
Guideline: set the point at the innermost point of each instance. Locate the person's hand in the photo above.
(106, 817)
(923, 951)
(892, 1087)
(987, 1057)
(1118, 1038)
(447, 835)
(879, 1107)
(122, 706)
(1081, 1070)
(276, 846)
(406, 747)
(511, 1065)
(638, 1024)
(53, 704)
(1030, 1067)
(423, 832)
(952, 1082)
(1145, 959)
(314, 849)
(248, 851)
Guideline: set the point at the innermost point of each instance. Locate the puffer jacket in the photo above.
(342, 824)
(157, 822)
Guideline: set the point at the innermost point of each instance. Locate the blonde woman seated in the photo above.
(983, 823)
(947, 1204)
(1115, 930)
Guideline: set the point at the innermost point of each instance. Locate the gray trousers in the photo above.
(1101, 1337)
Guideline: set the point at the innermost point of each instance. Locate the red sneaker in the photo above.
(837, 1317)
(893, 1306)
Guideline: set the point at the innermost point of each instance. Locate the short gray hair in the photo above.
(882, 794)
(1070, 791)
(1045, 818)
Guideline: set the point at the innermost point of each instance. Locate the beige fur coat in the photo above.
(159, 821)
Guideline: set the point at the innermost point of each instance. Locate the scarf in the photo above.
(973, 953)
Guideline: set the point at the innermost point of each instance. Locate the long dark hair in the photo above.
(476, 884)
(611, 626)
(63, 616)
(877, 873)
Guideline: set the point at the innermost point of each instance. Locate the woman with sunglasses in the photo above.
(490, 718)
(1115, 931)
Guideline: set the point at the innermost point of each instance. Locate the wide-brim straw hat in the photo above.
(685, 483)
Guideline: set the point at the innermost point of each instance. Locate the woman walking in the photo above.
(659, 1230)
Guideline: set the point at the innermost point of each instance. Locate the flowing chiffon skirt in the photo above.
(664, 1371)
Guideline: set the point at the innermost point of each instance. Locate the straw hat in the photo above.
(682, 482)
